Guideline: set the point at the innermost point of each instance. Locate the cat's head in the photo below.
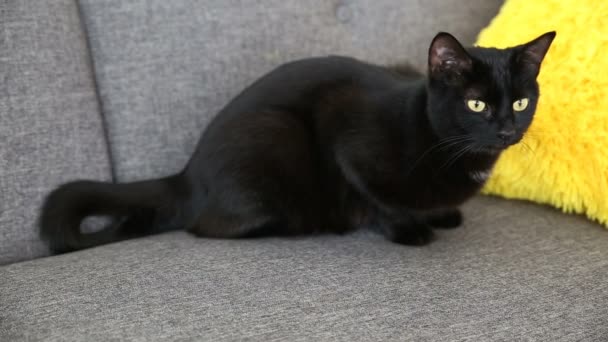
(486, 95)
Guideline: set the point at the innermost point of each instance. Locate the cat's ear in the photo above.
(532, 54)
(447, 58)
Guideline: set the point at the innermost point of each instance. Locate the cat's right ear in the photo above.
(447, 58)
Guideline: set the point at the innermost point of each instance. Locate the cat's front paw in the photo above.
(417, 234)
(445, 219)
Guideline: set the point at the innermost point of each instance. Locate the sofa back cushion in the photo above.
(164, 68)
(50, 125)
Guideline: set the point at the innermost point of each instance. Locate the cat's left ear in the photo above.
(447, 58)
(532, 54)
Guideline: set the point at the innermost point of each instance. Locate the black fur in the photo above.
(328, 145)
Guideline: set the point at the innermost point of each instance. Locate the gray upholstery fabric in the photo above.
(50, 124)
(164, 68)
(515, 272)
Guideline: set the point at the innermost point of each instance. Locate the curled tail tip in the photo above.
(54, 216)
(136, 209)
(62, 212)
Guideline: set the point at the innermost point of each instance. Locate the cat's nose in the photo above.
(506, 135)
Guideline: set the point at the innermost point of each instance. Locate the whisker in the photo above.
(456, 156)
(528, 148)
(527, 165)
(445, 147)
(442, 144)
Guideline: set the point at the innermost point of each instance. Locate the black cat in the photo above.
(329, 145)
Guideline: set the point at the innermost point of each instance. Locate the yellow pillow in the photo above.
(563, 160)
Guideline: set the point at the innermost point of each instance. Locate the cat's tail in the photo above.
(135, 209)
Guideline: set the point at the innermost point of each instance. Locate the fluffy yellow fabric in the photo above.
(563, 160)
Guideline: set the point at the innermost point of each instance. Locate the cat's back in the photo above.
(305, 79)
(315, 92)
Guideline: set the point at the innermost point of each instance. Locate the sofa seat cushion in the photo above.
(515, 271)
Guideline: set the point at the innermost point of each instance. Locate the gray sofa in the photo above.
(120, 90)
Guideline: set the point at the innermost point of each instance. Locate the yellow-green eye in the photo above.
(520, 105)
(476, 106)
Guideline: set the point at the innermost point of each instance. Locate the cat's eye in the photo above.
(520, 105)
(476, 106)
